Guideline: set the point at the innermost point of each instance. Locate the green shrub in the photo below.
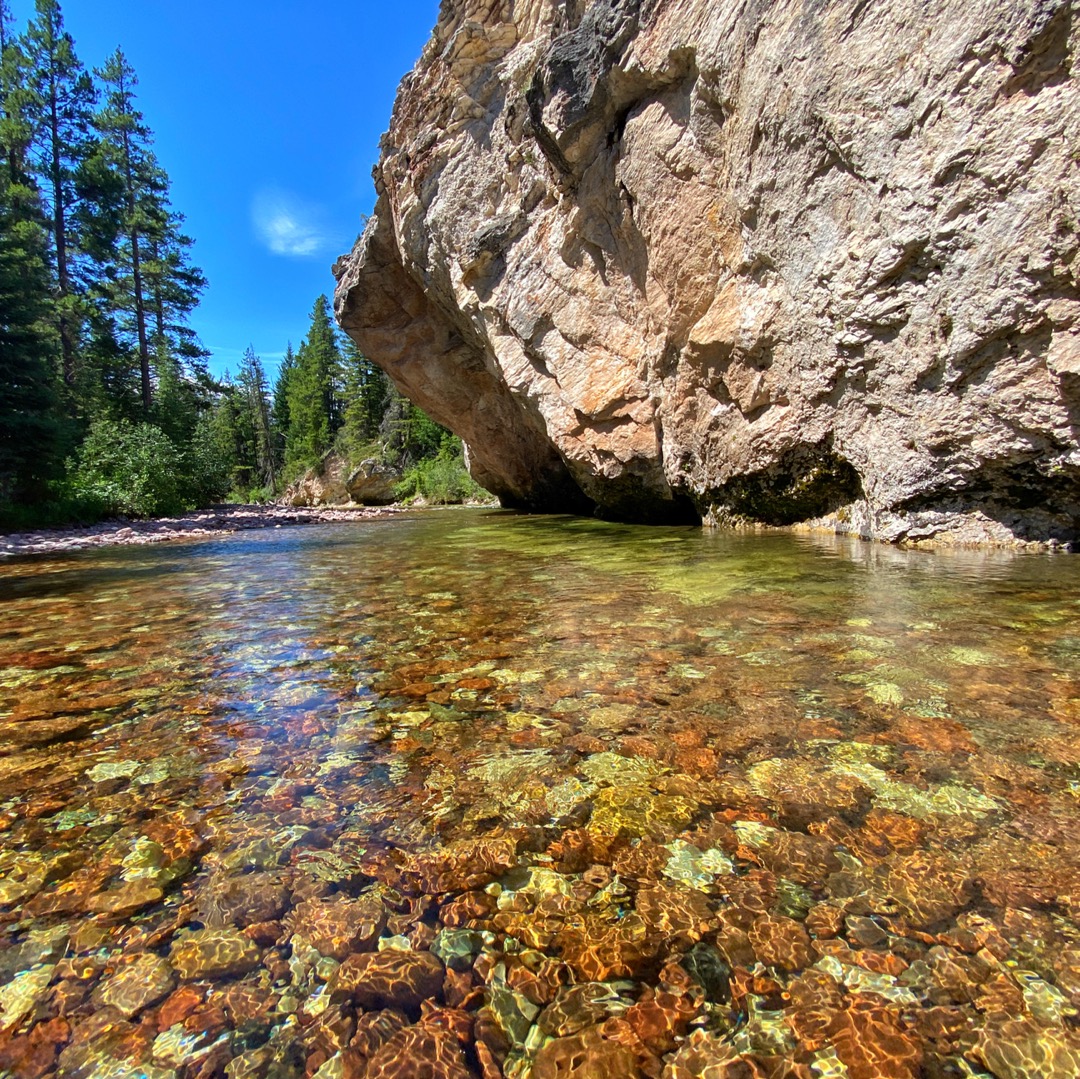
(204, 466)
(441, 480)
(130, 468)
(242, 494)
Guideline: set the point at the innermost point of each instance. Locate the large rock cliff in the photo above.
(765, 260)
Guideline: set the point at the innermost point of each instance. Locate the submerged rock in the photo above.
(389, 979)
(243, 899)
(213, 953)
(139, 984)
(338, 927)
(587, 1055)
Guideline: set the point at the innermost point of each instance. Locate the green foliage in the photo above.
(365, 397)
(129, 468)
(29, 424)
(57, 98)
(62, 507)
(408, 434)
(314, 407)
(255, 408)
(205, 466)
(135, 469)
(147, 283)
(441, 480)
(176, 406)
(96, 284)
(244, 431)
(279, 408)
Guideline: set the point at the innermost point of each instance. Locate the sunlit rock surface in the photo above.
(762, 261)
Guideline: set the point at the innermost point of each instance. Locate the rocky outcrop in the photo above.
(333, 483)
(756, 260)
(372, 483)
(322, 485)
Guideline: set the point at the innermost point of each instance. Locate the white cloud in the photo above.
(286, 225)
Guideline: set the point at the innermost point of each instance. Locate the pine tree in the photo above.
(150, 285)
(175, 284)
(59, 105)
(16, 130)
(29, 429)
(280, 406)
(233, 443)
(176, 408)
(365, 393)
(123, 185)
(252, 385)
(96, 284)
(314, 404)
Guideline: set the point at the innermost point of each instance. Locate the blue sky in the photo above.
(267, 117)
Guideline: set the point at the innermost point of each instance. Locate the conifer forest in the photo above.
(107, 405)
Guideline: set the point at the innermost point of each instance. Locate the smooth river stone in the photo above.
(419, 1050)
(142, 982)
(587, 1055)
(213, 953)
(390, 979)
(244, 899)
(127, 899)
(339, 927)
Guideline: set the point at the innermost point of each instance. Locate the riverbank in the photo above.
(208, 522)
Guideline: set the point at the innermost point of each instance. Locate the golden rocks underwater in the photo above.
(468, 794)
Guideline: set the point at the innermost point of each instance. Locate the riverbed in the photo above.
(518, 795)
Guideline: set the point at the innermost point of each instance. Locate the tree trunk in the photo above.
(63, 279)
(137, 284)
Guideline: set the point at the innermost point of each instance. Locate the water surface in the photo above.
(533, 796)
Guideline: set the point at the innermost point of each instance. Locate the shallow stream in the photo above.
(535, 796)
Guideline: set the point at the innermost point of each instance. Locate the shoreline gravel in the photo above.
(216, 520)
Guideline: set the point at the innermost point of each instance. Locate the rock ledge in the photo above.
(767, 262)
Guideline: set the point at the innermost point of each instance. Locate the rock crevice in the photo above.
(768, 262)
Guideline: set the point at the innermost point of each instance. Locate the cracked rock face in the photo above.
(767, 261)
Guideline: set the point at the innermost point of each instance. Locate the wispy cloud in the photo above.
(287, 225)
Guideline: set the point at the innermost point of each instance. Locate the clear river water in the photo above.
(464, 793)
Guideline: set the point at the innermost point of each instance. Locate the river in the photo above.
(537, 795)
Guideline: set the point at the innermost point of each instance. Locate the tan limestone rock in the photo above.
(768, 263)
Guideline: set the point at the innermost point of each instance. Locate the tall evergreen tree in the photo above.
(60, 99)
(15, 122)
(365, 393)
(174, 282)
(176, 409)
(233, 440)
(280, 407)
(252, 380)
(149, 285)
(314, 406)
(29, 431)
(29, 428)
(126, 187)
(96, 284)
